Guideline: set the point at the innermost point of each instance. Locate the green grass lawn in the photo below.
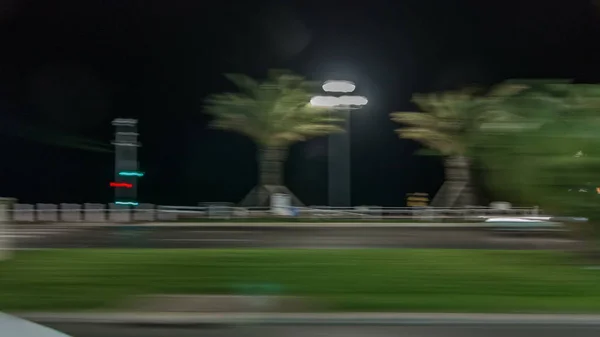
(346, 280)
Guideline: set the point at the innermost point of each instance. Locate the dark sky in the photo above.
(70, 67)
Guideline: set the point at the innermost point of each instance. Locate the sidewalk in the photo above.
(309, 318)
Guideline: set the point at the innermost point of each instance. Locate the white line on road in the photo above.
(208, 240)
(18, 236)
(31, 234)
(39, 232)
(220, 232)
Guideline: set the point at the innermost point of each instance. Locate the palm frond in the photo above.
(313, 130)
(506, 89)
(428, 120)
(415, 119)
(304, 132)
(441, 142)
(445, 121)
(276, 110)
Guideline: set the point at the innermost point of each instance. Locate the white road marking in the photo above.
(220, 232)
(38, 232)
(32, 233)
(11, 236)
(207, 240)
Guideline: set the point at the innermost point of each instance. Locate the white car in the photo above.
(525, 224)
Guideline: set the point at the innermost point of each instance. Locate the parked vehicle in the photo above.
(525, 224)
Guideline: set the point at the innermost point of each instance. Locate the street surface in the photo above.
(517, 330)
(41, 236)
(32, 234)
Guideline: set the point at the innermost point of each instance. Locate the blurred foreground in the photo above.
(323, 280)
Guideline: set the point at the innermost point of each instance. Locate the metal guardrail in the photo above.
(150, 212)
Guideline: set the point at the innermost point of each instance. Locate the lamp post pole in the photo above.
(339, 144)
(338, 168)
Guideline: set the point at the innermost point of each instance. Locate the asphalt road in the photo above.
(55, 236)
(518, 330)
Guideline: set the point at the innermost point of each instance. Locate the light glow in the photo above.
(343, 101)
(338, 86)
(131, 174)
(324, 101)
(353, 100)
(117, 184)
(128, 203)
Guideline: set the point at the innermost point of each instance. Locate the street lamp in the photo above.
(338, 86)
(339, 143)
(343, 102)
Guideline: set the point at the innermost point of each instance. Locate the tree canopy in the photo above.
(275, 112)
(450, 121)
(551, 155)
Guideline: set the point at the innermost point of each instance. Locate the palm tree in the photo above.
(448, 126)
(274, 113)
(499, 142)
(554, 161)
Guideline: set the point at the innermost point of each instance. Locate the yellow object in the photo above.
(417, 200)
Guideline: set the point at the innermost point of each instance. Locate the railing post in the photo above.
(6, 244)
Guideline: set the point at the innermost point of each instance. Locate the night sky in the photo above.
(67, 68)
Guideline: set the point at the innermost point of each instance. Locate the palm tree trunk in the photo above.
(459, 192)
(271, 160)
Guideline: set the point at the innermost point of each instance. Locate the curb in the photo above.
(310, 319)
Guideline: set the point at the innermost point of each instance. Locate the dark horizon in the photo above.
(71, 67)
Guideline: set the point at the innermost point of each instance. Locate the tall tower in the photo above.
(126, 162)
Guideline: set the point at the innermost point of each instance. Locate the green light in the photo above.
(129, 203)
(131, 174)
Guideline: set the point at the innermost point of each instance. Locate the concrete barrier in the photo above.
(70, 212)
(119, 213)
(144, 212)
(6, 243)
(47, 212)
(23, 213)
(94, 212)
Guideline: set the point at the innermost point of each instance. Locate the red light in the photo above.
(126, 185)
